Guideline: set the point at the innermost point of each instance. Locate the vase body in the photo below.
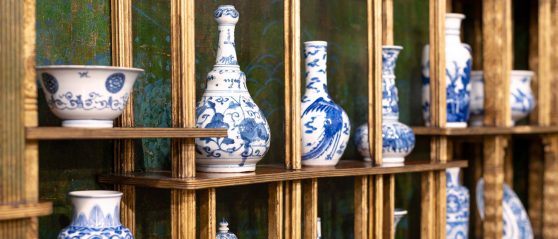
(226, 103)
(96, 214)
(325, 125)
(457, 206)
(458, 73)
(522, 100)
(398, 140)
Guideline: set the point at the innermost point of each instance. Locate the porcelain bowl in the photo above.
(87, 96)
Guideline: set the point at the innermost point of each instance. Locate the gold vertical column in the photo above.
(18, 109)
(310, 200)
(375, 183)
(183, 202)
(293, 193)
(433, 196)
(497, 62)
(275, 211)
(122, 45)
(208, 220)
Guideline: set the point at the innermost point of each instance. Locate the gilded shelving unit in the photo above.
(292, 190)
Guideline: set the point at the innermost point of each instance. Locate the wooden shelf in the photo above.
(64, 133)
(269, 173)
(480, 131)
(17, 211)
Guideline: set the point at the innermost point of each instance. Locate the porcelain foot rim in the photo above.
(87, 123)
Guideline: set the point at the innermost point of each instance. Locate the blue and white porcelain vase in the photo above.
(522, 100)
(96, 214)
(226, 103)
(458, 74)
(325, 125)
(457, 206)
(224, 231)
(398, 140)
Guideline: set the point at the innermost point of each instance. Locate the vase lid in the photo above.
(224, 231)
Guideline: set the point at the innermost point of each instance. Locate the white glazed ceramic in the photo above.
(457, 206)
(226, 103)
(398, 214)
(87, 96)
(96, 214)
(458, 68)
(477, 99)
(398, 140)
(325, 125)
(516, 222)
(522, 100)
(223, 232)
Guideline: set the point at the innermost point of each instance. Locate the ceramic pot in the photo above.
(522, 100)
(96, 214)
(223, 232)
(398, 140)
(87, 96)
(226, 103)
(457, 206)
(458, 73)
(325, 125)
(398, 214)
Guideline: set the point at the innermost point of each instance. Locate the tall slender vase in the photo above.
(96, 214)
(398, 139)
(458, 74)
(226, 103)
(325, 125)
(457, 206)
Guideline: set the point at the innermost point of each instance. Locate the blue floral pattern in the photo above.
(226, 11)
(390, 108)
(50, 83)
(325, 125)
(457, 206)
(115, 82)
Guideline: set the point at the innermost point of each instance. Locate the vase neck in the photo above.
(315, 54)
(226, 52)
(94, 212)
(452, 177)
(390, 105)
(452, 39)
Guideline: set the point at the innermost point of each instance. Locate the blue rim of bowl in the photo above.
(87, 67)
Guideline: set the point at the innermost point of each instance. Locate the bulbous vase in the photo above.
(226, 103)
(325, 125)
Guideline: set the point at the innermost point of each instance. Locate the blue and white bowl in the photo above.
(87, 96)
(522, 100)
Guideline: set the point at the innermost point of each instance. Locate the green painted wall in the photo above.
(78, 32)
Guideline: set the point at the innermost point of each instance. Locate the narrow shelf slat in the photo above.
(63, 133)
(18, 211)
(269, 173)
(480, 131)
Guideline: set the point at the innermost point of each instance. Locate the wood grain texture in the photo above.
(361, 207)
(121, 42)
(271, 173)
(389, 206)
(292, 84)
(375, 205)
(208, 210)
(437, 15)
(61, 133)
(476, 44)
(293, 209)
(18, 108)
(183, 214)
(488, 130)
(554, 61)
(387, 22)
(275, 210)
(374, 18)
(497, 57)
(310, 204)
(550, 187)
(535, 190)
(476, 173)
(183, 202)
(540, 60)
(493, 174)
(28, 210)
